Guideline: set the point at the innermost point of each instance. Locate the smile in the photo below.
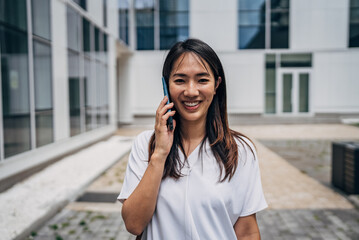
(191, 105)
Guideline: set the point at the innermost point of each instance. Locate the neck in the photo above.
(192, 131)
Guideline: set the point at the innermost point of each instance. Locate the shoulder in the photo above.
(144, 137)
(140, 144)
(246, 149)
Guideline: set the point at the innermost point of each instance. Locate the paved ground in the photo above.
(300, 205)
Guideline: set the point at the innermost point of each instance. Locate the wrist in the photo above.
(158, 157)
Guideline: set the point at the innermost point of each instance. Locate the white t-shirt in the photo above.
(197, 205)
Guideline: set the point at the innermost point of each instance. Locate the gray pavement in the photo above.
(301, 204)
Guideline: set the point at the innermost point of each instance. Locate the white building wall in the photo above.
(319, 24)
(146, 74)
(336, 82)
(244, 73)
(214, 22)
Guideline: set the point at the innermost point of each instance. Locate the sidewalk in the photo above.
(300, 207)
(26, 206)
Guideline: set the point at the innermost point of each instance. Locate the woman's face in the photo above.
(192, 87)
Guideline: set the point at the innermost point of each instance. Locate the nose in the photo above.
(191, 89)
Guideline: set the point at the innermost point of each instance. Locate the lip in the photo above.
(191, 108)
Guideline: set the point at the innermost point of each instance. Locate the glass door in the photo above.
(293, 88)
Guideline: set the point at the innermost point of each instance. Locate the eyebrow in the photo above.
(204, 74)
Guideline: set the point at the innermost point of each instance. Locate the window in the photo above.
(279, 30)
(104, 4)
(13, 14)
(145, 24)
(173, 22)
(81, 3)
(159, 26)
(270, 84)
(88, 78)
(15, 90)
(41, 18)
(251, 24)
(263, 24)
(123, 18)
(43, 93)
(354, 24)
(42, 71)
(296, 60)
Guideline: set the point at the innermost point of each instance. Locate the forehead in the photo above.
(190, 61)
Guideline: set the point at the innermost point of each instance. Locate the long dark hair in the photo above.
(222, 139)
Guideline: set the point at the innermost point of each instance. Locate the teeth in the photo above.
(191, 104)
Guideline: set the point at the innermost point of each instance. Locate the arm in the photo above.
(246, 228)
(138, 209)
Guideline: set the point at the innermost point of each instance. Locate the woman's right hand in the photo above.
(164, 136)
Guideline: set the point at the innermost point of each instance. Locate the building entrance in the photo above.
(293, 88)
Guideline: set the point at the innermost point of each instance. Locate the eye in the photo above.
(178, 81)
(203, 80)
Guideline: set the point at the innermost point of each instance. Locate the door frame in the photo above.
(295, 91)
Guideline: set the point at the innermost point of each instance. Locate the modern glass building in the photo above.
(58, 75)
(285, 61)
(71, 70)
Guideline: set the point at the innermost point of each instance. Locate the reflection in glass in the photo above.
(43, 93)
(303, 92)
(251, 21)
(41, 18)
(14, 13)
(287, 92)
(251, 37)
(15, 91)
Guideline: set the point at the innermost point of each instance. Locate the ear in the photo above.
(217, 84)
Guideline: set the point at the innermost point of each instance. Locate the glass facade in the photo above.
(256, 30)
(354, 24)
(22, 109)
(88, 78)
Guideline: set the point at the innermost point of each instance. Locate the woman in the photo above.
(201, 180)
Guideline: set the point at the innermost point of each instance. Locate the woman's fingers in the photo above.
(162, 103)
(165, 117)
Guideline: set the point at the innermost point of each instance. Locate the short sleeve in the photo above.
(248, 197)
(137, 165)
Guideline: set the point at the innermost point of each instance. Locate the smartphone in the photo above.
(165, 92)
